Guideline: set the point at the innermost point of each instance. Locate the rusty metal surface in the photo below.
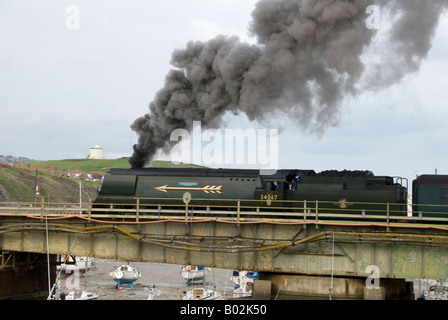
(287, 246)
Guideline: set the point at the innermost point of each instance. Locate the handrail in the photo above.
(237, 210)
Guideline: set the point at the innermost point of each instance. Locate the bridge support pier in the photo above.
(24, 276)
(286, 286)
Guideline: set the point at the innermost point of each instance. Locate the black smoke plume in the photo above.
(309, 56)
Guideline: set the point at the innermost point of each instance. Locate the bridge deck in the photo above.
(307, 240)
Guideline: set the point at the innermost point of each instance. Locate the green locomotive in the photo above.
(358, 192)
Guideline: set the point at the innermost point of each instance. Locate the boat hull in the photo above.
(77, 267)
(193, 273)
(125, 274)
(201, 294)
(243, 283)
(79, 295)
(121, 282)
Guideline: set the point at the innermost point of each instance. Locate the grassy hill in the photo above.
(19, 185)
(86, 165)
(89, 165)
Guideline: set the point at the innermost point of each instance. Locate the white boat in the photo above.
(125, 274)
(201, 294)
(193, 273)
(75, 265)
(79, 295)
(437, 292)
(243, 283)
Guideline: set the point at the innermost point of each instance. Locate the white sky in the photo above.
(63, 91)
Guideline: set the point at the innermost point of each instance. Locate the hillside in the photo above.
(86, 165)
(89, 165)
(19, 185)
(12, 159)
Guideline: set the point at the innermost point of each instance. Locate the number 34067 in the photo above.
(268, 197)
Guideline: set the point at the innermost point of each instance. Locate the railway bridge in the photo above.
(305, 251)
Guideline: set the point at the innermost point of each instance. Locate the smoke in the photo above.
(411, 26)
(309, 56)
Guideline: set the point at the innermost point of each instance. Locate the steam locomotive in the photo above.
(354, 191)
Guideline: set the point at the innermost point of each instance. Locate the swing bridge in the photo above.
(309, 249)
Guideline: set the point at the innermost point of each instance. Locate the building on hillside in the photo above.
(95, 153)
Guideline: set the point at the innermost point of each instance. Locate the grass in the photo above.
(19, 185)
(86, 165)
(89, 165)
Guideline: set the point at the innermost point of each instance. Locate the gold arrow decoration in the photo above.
(206, 189)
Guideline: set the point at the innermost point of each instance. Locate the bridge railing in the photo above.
(140, 209)
(42, 207)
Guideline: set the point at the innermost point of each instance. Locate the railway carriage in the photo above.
(430, 196)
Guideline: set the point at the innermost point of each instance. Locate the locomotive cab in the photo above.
(271, 193)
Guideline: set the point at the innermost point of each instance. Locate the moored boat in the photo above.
(201, 294)
(75, 265)
(79, 295)
(243, 283)
(193, 273)
(437, 292)
(125, 274)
